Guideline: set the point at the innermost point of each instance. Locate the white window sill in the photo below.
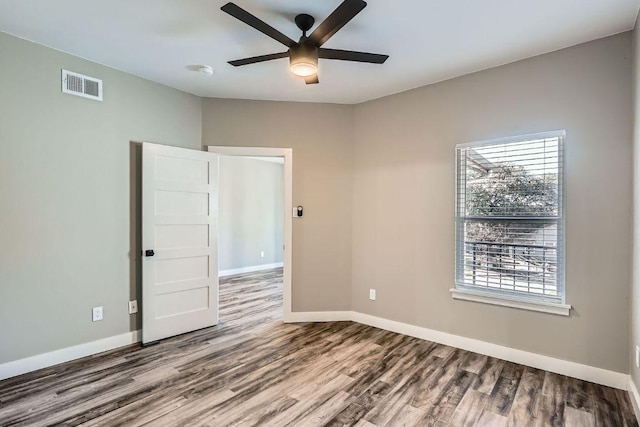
(505, 301)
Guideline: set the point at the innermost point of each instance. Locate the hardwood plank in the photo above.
(227, 414)
(406, 416)
(407, 354)
(137, 413)
(450, 398)
(362, 404)
(580, 395)
(444, 351)
(406, 389)
(192, 409)
(551, 401)
(470, 408)
(439, 378)
(491, 419)
(578, 418)
(475, 363)
(386, 409)
(524, 410)
(488, 375)
(505, 389)
(625, 407)
(364, 378)
(606, 407)
(326, 411)
(305, 407)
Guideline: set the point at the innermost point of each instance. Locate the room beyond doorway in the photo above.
(250, 220)
(286, 156)
(250, 214)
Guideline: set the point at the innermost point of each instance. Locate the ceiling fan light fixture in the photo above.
(304, 69)
(303, 60)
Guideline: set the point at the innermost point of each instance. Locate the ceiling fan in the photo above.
(303, 55)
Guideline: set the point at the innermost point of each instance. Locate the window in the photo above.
(509, 222)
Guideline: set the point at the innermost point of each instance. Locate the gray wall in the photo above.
(635, 288)
(403, 227)
(250, 212)
(65, 195)
(321, 136)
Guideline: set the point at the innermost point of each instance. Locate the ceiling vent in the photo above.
(80, 85)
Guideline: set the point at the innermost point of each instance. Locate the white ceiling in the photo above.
(427, 40)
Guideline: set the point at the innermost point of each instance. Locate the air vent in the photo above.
(80, 85)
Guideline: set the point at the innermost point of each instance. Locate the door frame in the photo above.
(287, 238)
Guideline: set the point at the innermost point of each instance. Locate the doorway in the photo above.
(250, 238)
(266, 268)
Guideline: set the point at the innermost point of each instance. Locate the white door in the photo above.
(179, 241)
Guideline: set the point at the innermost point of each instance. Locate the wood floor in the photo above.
(254, 370)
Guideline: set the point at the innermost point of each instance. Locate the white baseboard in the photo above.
(551, 364)
(45, 360)
(318, 316)
(634, 397)
(251, 269)
(559, 366)
(564, 367)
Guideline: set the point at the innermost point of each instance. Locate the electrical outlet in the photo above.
(372, 294)
(96, 313)
(133, 306)
(261, 254)
(637, 357)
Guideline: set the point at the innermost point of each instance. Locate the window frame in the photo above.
(506, 297)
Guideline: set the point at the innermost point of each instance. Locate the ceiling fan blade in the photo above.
(261, 58)
(244, 16)
(349, 55)
(343, 14)
(311, 80)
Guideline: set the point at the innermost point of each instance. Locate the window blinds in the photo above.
(509, 216)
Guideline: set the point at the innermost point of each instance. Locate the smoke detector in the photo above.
(206, 70)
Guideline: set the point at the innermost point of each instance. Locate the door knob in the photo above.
(149, 252)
